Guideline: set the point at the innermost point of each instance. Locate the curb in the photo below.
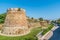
(43, 37)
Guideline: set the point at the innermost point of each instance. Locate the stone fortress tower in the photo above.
(15, 22)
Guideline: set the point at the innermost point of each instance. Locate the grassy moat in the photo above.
(30, 36)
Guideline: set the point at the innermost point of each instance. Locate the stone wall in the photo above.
(15, 22)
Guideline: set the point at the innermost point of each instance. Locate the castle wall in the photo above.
(15, 22)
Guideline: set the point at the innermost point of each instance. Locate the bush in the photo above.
(2, 18)
(19, 9)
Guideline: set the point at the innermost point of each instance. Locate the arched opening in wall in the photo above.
(10, 33)
(20, 31)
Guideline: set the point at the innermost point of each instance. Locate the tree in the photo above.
(2, 17)
(40, 19)
(32, 18)
(58, 21)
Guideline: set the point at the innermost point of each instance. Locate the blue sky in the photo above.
(47, 9)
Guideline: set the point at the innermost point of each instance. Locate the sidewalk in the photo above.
(48, 34)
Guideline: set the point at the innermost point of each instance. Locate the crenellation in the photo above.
(16, 9)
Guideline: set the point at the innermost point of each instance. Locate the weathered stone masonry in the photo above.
(15, 22)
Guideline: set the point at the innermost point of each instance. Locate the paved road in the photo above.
(48, 35)
(56, 34)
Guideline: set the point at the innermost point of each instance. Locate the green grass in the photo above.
(30, 36)
(46, 30)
